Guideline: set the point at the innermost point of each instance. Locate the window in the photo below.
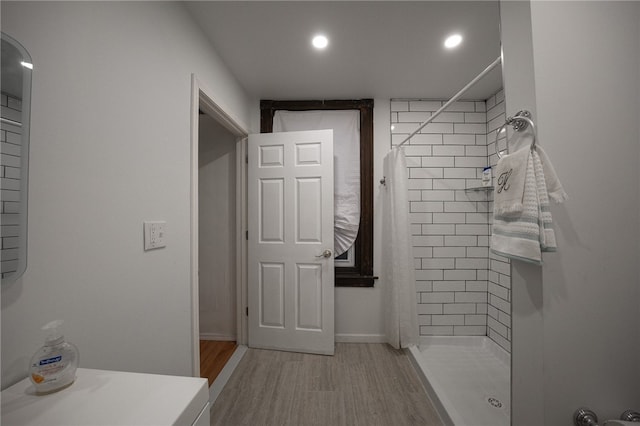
(360, 274)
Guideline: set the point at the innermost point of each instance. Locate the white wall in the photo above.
(527, 344)
(217, 231)
(110, 148)
(586, 320)
(359, 311)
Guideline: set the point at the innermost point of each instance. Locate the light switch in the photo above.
(154, 235)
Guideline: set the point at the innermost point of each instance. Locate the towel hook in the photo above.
(519, 122)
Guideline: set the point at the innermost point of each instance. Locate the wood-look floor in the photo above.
(213, 357)
(362, 384)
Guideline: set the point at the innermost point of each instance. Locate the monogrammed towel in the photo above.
(517, 235)
(509, 182)
(526, 234)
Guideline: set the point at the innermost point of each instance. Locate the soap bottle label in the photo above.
(486, 176)
(49, 369)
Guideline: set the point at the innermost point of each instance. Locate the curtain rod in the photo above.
(452, 100)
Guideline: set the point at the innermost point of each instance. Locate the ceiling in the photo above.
(387, 49)
(12, 71)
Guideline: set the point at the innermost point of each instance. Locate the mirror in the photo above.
(14, 157)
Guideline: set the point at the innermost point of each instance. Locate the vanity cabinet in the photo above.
(99, 397)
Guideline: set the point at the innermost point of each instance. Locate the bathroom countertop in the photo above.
(99, 397)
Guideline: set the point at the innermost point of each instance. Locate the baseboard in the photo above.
(360, 338)
(218, 336)
(222, 379)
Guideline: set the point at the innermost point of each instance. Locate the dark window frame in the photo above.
(361, 274)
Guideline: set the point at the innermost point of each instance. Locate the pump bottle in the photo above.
(53, 366)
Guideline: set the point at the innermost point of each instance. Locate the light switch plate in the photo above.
(154, 235)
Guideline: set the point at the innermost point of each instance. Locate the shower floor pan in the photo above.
(467, 377)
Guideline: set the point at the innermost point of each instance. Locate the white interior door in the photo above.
(290, 247)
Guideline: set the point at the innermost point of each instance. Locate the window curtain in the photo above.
(346, 166)
(401, 319)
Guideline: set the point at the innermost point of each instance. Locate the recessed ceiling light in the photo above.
(320, 41)
(453, 41)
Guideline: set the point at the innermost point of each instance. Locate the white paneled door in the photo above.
(290, 258)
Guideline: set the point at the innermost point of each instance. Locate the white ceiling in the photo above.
(387, 49)
(12, 71)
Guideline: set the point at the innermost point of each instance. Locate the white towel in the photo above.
(526, 234)
(509, 185)
(547, 235)
(554, 187)
(517, 236)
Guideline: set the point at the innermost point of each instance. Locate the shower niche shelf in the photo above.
(479, 188)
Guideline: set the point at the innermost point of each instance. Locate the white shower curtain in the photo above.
(401, 319)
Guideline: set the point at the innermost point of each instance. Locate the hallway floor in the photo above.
(214, 355)
(362, 384)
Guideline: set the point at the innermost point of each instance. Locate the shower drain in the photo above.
(494, 402)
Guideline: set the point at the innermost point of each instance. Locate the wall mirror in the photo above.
(14, 156)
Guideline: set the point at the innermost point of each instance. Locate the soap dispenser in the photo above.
(53, 366)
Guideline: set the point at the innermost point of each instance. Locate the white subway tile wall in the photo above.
(462, 288)
(10, 138)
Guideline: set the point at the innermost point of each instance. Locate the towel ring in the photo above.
(519, 122)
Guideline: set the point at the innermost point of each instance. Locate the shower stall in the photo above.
(463, 290)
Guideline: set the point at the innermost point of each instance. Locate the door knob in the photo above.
(326, 253)
(585, 417)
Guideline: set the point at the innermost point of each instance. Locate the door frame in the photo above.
(202, 98)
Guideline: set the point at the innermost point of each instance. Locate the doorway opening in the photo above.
(217, 275)
(217, 219)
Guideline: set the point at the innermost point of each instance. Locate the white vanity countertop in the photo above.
(99, 397)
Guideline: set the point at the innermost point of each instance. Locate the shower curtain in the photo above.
(401, 319)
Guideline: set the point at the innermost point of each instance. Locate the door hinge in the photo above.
(246, 235)
(246, 159)
(247, 311)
